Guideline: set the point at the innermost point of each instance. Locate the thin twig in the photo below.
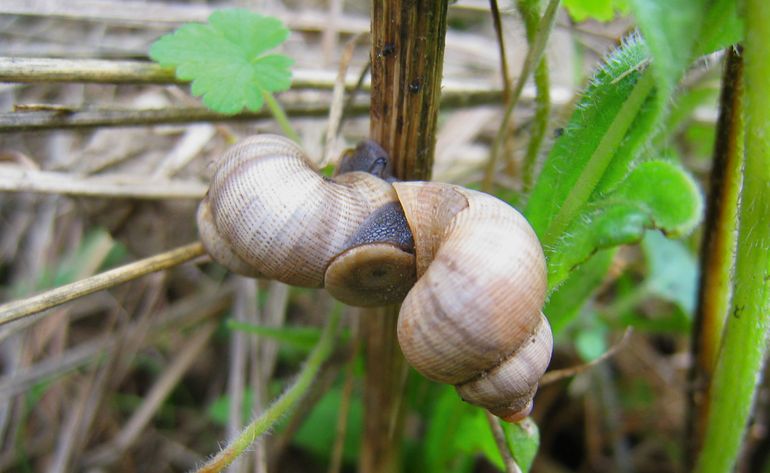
(557, 375)
(17, 179)
(502, 445)
(25, 307)
(107, 117)
(501, 44)
(534, 54)
(336, 108)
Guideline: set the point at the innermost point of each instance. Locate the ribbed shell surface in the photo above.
(479, 299)
(280, 216)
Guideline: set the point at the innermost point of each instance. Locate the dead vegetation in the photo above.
(98, 170)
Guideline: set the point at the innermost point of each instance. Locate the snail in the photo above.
(467, 266)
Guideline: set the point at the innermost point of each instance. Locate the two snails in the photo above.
(468, 267)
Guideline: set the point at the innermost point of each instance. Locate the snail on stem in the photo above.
(467, 266)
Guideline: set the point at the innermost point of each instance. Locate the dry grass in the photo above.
(121, 380)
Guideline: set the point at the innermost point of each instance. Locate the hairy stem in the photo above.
(718, 247)
(744, 343)
(530, 12)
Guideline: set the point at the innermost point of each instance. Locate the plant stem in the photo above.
(502, 444)
(25, 307)
(534, 55)
(501, 45)
(407, 60)
(744, 344)
(718, 248)
(284, 403)
(280, 116)
(530, 11)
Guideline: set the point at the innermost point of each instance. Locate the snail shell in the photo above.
(471, 319)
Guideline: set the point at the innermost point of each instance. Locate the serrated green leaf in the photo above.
(224, 60)
(673, 271)
(656, 195)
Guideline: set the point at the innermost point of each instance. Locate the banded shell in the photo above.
(473, 318)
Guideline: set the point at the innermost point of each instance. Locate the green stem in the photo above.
(534, 55)
(744, 343)
(284, 403)
(717, 252)
(280, 116)
(529, 10)
(600, 159)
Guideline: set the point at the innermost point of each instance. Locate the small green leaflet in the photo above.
(225, 59)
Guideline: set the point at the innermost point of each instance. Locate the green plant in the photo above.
(226, 63)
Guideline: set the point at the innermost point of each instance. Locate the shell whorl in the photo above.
(279, 216)
(473, 317)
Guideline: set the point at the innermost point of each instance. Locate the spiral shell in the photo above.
(471, 319)
(269, 213)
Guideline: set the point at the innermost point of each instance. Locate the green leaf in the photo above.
(304, 338)
(591, 342)
(447, 419)
(656, 195)
(605, 126)
(602, 10)
(670, 28)
(722, 27)
(318, 431)
(566, 302)
(673, 271)
(219, 410)
(524, 440)
(224, 59)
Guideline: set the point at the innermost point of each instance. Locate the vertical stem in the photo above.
(718, 247)
(407, 59)
(744, 343)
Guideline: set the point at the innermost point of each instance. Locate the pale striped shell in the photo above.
(268, 213)
(473, 317)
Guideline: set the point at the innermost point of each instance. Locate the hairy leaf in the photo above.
(656, 195)
(669, 27)
(600, 131)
